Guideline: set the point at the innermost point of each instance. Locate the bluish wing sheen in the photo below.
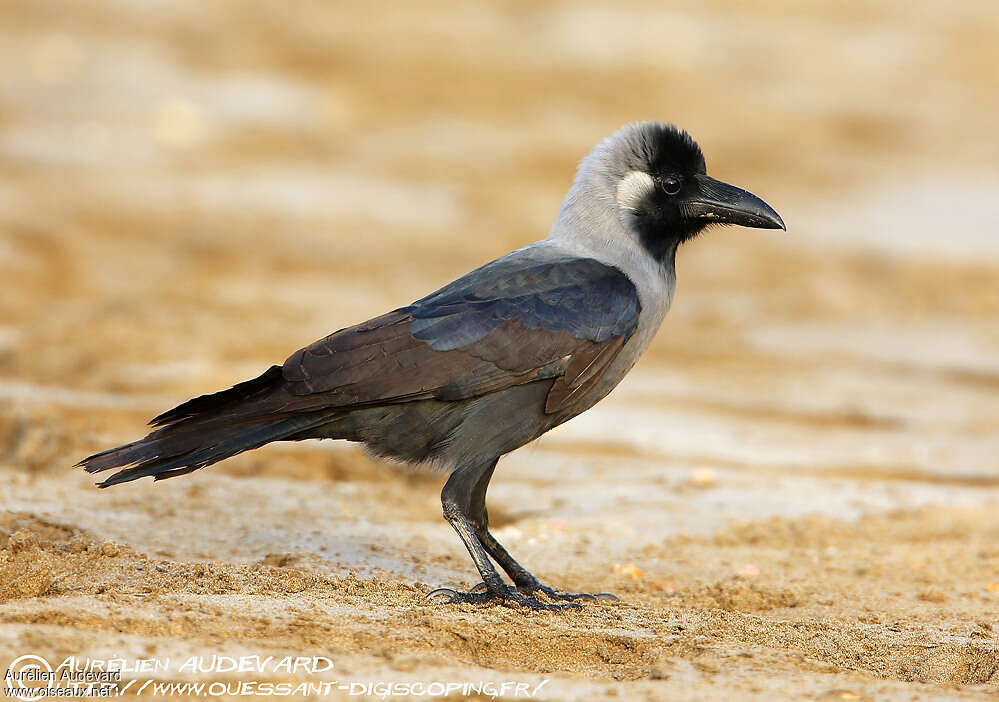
(583, 297)
(518, 319)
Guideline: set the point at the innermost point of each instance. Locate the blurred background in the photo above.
(191, 191)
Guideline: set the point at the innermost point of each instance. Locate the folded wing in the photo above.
(513, 321)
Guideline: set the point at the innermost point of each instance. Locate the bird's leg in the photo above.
(523, 579)
(463, 500)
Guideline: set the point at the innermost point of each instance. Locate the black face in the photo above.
(684, 199)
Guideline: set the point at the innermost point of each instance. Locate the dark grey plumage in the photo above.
(440, 348)
(488, 362)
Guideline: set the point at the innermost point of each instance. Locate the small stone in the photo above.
(109, 549)
(630, 570)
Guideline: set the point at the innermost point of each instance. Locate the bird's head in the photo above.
(656, 176)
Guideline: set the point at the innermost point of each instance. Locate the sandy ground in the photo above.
(794, 495)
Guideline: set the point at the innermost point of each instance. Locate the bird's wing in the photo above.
(518, 319)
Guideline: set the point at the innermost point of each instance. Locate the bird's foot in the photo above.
(554, 594)
(482, 594)
(530, 585)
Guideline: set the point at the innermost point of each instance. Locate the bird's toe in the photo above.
(533, 603)
(481, 594)
(553, 594)
(576, 596)
(449, 596)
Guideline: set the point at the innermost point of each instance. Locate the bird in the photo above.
(489, 362)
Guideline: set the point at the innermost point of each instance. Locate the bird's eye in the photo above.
(672, 184)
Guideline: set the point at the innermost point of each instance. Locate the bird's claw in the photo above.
(481, 594)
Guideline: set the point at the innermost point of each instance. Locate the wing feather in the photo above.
(507, 323)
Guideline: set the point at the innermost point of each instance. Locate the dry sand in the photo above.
(795, 494)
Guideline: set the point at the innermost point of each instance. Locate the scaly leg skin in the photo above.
(525, 580)
(463, 500)
(493, 588)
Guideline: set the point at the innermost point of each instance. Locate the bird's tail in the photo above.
(203, 431)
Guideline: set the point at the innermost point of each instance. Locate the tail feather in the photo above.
(238, 394)
(169, 457)
(203, 431)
